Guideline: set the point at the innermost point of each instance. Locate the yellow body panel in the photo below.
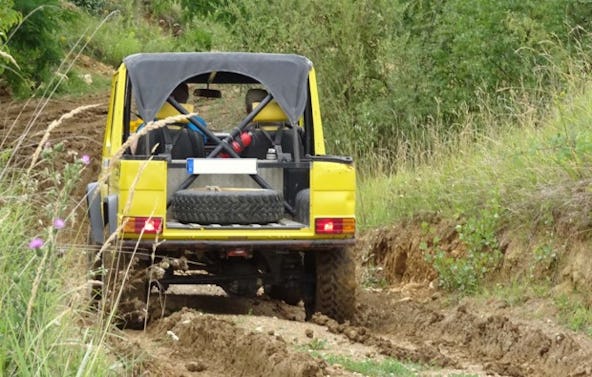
(332, 195)
(272, 112)
(332, 188)
(167, 110)
(142, 188)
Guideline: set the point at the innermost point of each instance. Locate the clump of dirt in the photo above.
(222, 346)
(425, 354)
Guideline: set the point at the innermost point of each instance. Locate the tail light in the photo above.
(335, 225)
(142, 225)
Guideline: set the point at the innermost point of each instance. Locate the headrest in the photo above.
(272, 112)
(167, 110)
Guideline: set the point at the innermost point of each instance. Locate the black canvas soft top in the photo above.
(154, 76)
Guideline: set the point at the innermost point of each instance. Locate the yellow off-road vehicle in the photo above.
(241, 196)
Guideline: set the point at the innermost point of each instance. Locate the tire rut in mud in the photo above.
(463, 336)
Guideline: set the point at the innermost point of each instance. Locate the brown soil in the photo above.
(409, 322)
(407, 318)
(81, 134)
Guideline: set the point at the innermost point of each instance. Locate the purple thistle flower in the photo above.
(58, 223)
(36, 243)
(85, 159)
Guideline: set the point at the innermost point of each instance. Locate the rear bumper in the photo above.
(250, 245)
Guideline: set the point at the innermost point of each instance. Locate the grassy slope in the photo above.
(527, 170)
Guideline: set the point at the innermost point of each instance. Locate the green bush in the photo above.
(465, 273)
(94, 6)
(34, 44)
(392, 74)
(8, 18)
(121, 36)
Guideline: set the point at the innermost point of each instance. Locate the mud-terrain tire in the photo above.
(227, 206)
(335, 285)
(303, 206)
(241, 287)
(125, 289)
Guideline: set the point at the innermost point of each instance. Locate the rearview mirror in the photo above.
(207, 93)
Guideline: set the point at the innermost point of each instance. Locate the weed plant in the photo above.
(46, 299)
(465, 273)
(41, 329)
(43, 301)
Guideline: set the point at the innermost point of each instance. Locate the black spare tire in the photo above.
(214, 205)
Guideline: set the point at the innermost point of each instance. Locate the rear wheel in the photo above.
(333, 290)
(125, 288)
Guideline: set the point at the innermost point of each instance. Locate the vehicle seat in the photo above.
(176, 139)
(265, 127)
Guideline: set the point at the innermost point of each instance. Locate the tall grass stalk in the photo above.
(41, 316)
(530, 163)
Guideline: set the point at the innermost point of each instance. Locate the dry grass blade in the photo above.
(8, 57)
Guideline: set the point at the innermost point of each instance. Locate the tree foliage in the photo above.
(390, 70)
(8, 18)
(35, 43)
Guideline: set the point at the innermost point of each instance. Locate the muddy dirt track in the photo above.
(409, 320)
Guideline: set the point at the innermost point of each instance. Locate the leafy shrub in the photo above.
(34, 44)
(465, 273)
(8, 18)
(122, 35)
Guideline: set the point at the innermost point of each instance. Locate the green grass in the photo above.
(76, 85)
(530, 176)
(383, 368)
(516, 292)
(374, 368)
(574, 313)
(528, 169)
